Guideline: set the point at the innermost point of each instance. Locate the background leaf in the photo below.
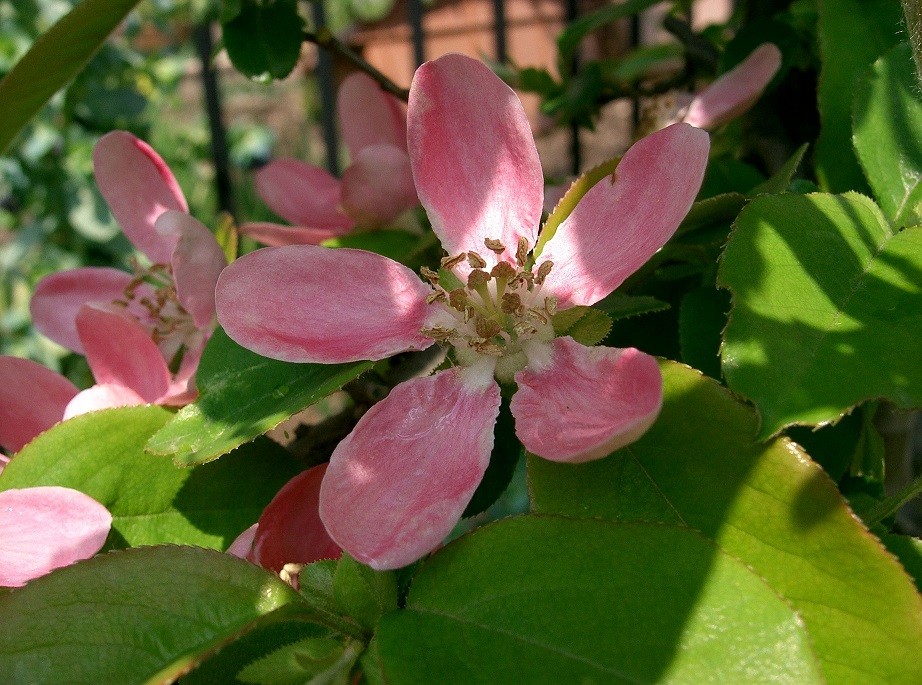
(767, 505)
(243, 395)
(888, 134)
(264, 38)
(827, 308)
(136, 616)
(152, 501)
(54, 59)
(548, 599)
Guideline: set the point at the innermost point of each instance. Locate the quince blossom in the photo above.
(374, 190)
(142, 333)
(45, 528)
(397, 485)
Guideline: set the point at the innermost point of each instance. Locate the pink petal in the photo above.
(398, 484)
(32, 400)
(304, 303)
(59, 297)
(45, 528)
(623, 220)
(182, 388)
(474, 159)
(121, 352)
(301, 194)
(139, 187)
(197, 262)
(290, 530)
(736, 91)
(279, 235)
(378, 187)
(243, 543)
(369, 116)
(587, 403)
(104, 396)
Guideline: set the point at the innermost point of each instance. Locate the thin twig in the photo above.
(325, 39)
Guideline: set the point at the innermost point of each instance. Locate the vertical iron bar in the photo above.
(327, 96)
(204, 46)
(416, 22)
(576, 152)
(499, 25)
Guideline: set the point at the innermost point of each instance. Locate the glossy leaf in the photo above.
(586, 325)
(152, 501)
(554, 600)
(888, 134)
(243, 395)
(767, 505)
(54, 59)
(363, 593)
(135, 616)
(310, 660)
(782, 178)
(852, 35)
(827, 308)
(264, 38)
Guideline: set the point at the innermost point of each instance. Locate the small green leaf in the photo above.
(264, 37)
(586, 325)
(227, 236)
(888, 134)
(720, 209)
(620, 306)
(152, 501)
(363, 593)
(398, 245)
(765, 504)
(570, 38)
(54, 59)
(909, 552)
(144, 615)
(782, 178)
(540, 599)
(314, 659)
(832, 317)
(243, 395)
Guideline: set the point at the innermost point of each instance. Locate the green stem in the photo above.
(892, 504)
(325, 39)
(912, 9)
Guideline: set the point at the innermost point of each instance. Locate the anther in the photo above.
(503, 271)
(494, 245)
(543, 271)
(436, 296)
(477, 279)
(457, 299)
(430, 275)
(550, 305)
(521, 253)
(512, 304)
(486, 328)
(451, 262)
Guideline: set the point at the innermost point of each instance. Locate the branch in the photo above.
(323, 38)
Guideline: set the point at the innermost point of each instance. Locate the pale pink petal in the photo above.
(103, 396)
(197, 262)
(279, 235)
(378, 187)
(4, 460)
(182, 388)
(59, 297)
(121, 352)
(45, 528)
(588, 402)
(301, 194)
(736, 91)
(290, 530)
(304, 303)
(139, 187)
(368, 115)
(474, 159)
(243, 543)
(32, 400)
(398, 484)
(623, 220)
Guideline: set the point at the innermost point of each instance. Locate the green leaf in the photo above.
(782, 178)
(398, 245)
(243, 395)
(909, 552)
(827, 308)
(264, 38)
(152, 501)
(702, 318)
(314, 659)
(765, 504)
(852, 35)
(363, 593)
(620, 306)
(507, 451)
(888, 134)
(585, 325)
(138, 616)
(541, 599)
(568, 41)
(54, 59)
(720, 209)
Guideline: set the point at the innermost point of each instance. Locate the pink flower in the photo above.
(45, 528)
(374, 190)
(142, 333)
(729, 96)
(398, 484)
(289, 531)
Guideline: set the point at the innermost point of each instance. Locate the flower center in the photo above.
(498, 315)
(151, 297)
